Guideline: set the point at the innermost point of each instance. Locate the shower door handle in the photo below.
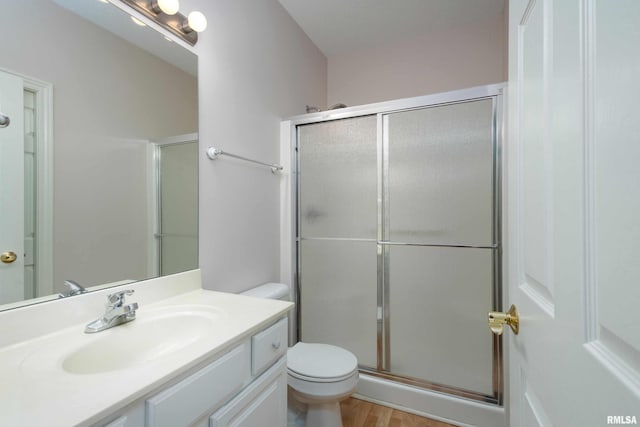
(498, 319)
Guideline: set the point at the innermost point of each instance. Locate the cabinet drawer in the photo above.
(185, 402)
(120, 422)
(268, 345)
(262, 403)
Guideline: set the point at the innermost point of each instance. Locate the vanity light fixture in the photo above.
(166, 14)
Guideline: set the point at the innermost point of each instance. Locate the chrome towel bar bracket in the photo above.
(213, 154)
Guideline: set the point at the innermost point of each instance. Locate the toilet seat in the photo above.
(320, 380)
(320, 363)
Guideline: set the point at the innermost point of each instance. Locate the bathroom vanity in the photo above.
(191, 357)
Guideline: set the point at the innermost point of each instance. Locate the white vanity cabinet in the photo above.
(190, 354)
(245, 386)
(187, 401)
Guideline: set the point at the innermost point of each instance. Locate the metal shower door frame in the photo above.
(382, 111)
(155, 264)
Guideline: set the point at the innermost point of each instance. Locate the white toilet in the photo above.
(319, 375)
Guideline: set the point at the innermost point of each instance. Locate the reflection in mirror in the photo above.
(101, 152)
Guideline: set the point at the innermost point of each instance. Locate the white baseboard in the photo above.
(437, 406)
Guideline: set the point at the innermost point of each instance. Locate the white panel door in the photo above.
(573, 212)
(12, 189)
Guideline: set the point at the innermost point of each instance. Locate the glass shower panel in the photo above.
(178, 207)
(439, 298)
(338, 181)
(179, 253)
(338, 296)
(440, 163)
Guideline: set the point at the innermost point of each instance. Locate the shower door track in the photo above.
(381, 110)
(386, 242)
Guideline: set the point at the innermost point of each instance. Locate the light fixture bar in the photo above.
(172, 23)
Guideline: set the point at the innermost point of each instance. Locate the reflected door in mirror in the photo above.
(11, 190)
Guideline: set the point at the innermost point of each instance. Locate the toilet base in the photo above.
(324, 415)
(296, 411)
(320, 412)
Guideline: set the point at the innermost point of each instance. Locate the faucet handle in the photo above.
(130, 309)
(117, 299)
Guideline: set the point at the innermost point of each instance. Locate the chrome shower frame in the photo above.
(381, 111)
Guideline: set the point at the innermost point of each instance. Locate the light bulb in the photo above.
(197, 21)
(170, 7)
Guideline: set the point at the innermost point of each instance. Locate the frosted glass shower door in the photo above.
(339, 296)
(440, 244)
(338, 179)
(337, 248)
(441, 171)
(439, 300)
(399, 244)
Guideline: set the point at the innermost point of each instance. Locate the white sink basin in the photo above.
(153, 335)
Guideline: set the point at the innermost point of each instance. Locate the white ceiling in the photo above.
(342, 26)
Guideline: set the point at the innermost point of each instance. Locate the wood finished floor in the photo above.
(359, 413)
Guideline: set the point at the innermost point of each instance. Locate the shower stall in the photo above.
(397, 238)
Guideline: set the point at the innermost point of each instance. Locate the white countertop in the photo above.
(35, 390)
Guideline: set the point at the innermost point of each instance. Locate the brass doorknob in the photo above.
(498, 319)
(8, 257)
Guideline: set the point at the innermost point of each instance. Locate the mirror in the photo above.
(104, 184)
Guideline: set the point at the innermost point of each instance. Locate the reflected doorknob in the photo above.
(4, 120)
(498, 319)
(8, 257)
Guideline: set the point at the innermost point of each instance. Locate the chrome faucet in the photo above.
(116, 314)
(74, 289)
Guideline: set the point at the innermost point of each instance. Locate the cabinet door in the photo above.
(263, 403)
(199, 394)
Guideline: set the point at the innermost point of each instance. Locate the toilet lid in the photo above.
(320, 360)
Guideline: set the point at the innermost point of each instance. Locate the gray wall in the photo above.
(465, 56)
(256, 67)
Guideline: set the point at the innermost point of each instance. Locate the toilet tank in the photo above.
(269, 290)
